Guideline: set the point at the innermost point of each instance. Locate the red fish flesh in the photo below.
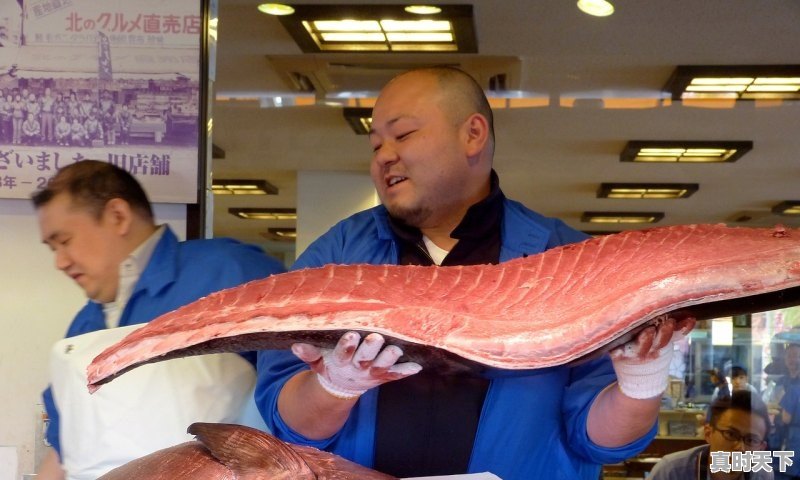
(540, 311)
(231, 452)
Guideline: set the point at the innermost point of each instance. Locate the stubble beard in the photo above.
(412, 216)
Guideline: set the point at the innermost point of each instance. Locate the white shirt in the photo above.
(437, 254)
(129, 272)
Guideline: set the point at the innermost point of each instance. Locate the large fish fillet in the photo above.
(540, 311)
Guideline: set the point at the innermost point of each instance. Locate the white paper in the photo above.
(469, 476)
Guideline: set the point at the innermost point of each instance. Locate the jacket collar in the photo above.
(521, 233)
(162, 268)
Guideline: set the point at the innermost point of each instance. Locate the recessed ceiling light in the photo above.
(359, 119)
(646, 190)
(381, 28)
(423, 9)
(280, 234)
(243, 187)
(735, 82)
(597, 8)
(278, 9)
(264, 213)
(689, 151)
(621, 217)
(788, 207)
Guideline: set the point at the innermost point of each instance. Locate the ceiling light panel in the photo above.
(788, 207)
(243, 187)
(621, 217)
(646, 190)
(359, 119)
(739, 82)
(689, 151)
(381, 28)
(264, 213)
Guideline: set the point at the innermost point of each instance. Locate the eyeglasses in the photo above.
(734, 436)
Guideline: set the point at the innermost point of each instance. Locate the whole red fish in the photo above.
(235, 452)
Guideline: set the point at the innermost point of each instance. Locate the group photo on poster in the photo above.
(121, 85)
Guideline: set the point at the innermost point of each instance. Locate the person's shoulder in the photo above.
(676, 465)
(524, 217)
(223, 252)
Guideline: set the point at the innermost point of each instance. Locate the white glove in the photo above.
(642, 365)
(350, 369)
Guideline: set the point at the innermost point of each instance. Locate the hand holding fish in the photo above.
(642, 365)
(350, 369)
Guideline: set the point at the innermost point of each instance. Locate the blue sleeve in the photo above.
(587, 381)
(275, 367)
(789, 403)
(52, 433)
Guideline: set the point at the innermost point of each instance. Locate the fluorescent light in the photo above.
(621, 217)
(788, 207)
(381, 28)
(359, 119)
(684, 151)
(738, 82)
(275, 9)
(646, 190)
(347, 25)
(243, 187)
(416, 26)
(264, 213)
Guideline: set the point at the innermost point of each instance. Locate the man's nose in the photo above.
(62, 259)
(386, 154)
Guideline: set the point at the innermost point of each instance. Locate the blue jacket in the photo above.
(532, 426)
(177, 273)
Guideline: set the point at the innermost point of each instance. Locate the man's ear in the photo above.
(477, 134)
(118, 214)
(707, 431)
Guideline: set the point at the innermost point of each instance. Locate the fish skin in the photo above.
(235, 452)
(536, 312)
(187, 461)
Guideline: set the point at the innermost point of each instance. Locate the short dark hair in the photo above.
(738, 372)
(92, 184)
(742, 400)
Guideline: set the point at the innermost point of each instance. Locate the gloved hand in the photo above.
(350, 369)
(642, 365)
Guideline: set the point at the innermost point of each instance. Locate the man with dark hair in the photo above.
(433, 143)
(738, 423)
(97, 220)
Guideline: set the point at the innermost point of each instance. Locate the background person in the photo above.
(433, 144)
(790, 410)
(98, 222)
(738, 423)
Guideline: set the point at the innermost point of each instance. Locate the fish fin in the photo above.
(251, 453)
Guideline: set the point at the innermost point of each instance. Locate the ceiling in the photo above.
(552, 158)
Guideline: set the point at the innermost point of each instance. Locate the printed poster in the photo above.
(110, 80)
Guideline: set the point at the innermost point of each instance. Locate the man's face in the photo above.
(419, 165)
(736, 431)
(87, 249)
(740, 382)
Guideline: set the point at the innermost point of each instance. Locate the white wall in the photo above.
(37, 303)
(324, 198)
